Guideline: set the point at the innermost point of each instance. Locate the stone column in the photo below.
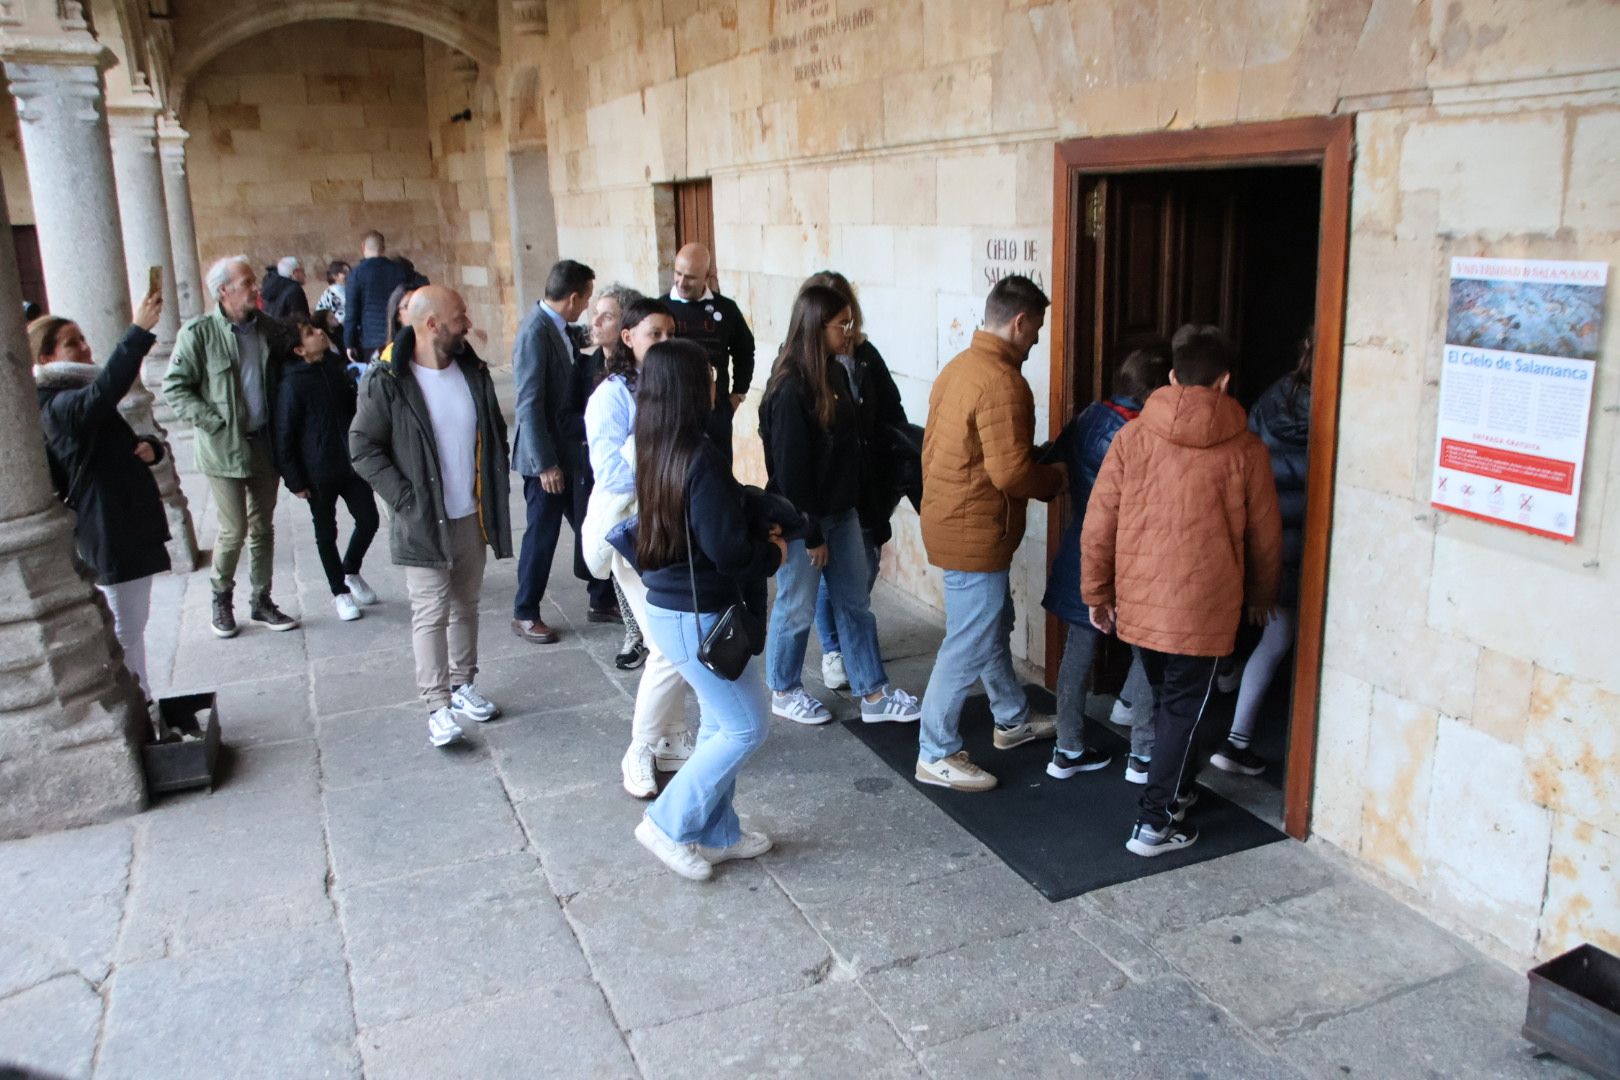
(71, 716)
(67, 153)
(141, 211)
(188, 283)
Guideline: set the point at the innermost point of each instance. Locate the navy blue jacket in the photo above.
(365, 302)
(729, 561)
(1282, 419)
(1086, 440)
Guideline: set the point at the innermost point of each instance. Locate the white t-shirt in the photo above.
(455, 430)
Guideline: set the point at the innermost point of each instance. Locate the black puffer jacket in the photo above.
(313, 409)
(283, 297)
(881, 418)
(820, 469)
(1282, 419)
(121, 530)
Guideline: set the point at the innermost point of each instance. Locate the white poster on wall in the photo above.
(1522, 340)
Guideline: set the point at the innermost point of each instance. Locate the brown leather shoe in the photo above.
(607, 614)
(536, 632)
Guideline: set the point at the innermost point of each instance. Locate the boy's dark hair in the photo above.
(567, 278)
(334, 268)
(1013, 295)
(327, 320)
(1144, 369)
(1202, 355)
(299, 323)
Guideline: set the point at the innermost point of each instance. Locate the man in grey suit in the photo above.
(548, 446)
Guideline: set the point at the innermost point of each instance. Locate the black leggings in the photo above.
(356, 495)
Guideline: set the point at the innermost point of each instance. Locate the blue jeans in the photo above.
(695, 806)
(977, 646)
(795, 610)
(826, 622)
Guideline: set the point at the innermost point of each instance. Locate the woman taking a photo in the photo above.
(814, 458)
(698, 558)
(102, 469)
(658, 735)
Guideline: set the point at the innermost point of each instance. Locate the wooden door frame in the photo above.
(1326, 141)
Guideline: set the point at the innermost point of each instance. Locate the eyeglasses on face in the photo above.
(847, 326)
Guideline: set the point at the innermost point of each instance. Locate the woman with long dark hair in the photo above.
(698, 557)
(878, 411)
(1282, 419)
(815, 458)
(102, 469)
(659, 738)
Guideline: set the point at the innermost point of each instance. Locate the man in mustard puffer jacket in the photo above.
(979, 473)
(1182, 535)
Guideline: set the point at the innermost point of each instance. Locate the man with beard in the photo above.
(429, 438)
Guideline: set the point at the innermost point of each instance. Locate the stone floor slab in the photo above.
(366, 681)
(585, 840)
(265, 710)
(664, 948)
(370, 745)
(61, 900)
(1306, 959)
(561, 1030)
(430, 942)
(544, 680)
(388, 829)
(1144, 1031)
(827, 1030)
(990, 982)
(51, 1028)
(878, 928)
(560, 753)
(274, 1007)
(1465, 1025)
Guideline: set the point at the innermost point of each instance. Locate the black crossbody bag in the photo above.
(730, 643)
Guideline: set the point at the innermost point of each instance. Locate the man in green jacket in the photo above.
(430, 439)
(222, 379)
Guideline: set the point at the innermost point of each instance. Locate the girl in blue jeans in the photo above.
(697, 556)
(814, 456)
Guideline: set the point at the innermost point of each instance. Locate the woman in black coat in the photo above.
(315, 403)
(102, 469)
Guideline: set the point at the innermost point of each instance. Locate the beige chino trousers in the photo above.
(444, 614)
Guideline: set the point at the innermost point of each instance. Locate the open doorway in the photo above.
(1244, 228)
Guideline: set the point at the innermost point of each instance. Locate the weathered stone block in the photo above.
(51, 1029)
(1572, 749)
(1400, 762)
(977, 190)
(949, 101)
(1594, 161)
(849, 195)
(1343, 725)
(1502, 696)
(903, 191)
(1379, 454)
(1521, 190)
(1583, 889)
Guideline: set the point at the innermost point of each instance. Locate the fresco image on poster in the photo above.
(1522, 341)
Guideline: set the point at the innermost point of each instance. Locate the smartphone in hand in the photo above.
(154, 280)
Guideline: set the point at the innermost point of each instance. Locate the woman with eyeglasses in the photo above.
(815, 458)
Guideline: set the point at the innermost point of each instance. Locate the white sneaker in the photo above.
(750, 846)
(362, 592)
(956, 772)
(833, 675)
(895, 705)
(637, 769)
(681, 858)
(347, 609)
(442, 727)
(672, 751)
(800, 707)
(467, 702)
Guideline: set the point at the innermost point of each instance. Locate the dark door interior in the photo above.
(1236, 248)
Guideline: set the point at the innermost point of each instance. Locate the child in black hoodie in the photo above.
(314, 405)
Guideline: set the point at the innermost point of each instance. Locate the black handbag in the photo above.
(730, 642)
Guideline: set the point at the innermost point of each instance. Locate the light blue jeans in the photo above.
(795, 610)
(695, 806)
(826, 622)
(977, 647)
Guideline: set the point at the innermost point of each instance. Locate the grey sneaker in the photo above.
(1148, 841)
(1034, 727)
(442, 727)
(895, 705)
(800, 707)
(467, 702)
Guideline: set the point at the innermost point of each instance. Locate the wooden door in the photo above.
(694, 215)
(30, 270)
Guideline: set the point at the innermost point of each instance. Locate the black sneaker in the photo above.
(224, 622)
(1136, 769)
(1179, 808)
(1062, 766)
(1238, 759)
(631, 658)
(1148, 841)
(264, 611)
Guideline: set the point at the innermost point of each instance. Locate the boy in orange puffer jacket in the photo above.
(1181, 537)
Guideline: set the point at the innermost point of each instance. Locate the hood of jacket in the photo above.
(274, 284)
(1198, 416)
(64, 375)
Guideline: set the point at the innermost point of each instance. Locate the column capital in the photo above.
(172, 144)
(55, 50)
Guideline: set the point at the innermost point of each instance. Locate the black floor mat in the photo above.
(1065, 837)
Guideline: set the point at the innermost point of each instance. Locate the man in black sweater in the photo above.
(716, 323)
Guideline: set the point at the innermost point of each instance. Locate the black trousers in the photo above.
(356, 495)
(1183, 736)
(546, 513)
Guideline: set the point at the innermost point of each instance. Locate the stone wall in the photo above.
(1468, 751)
(303, 138)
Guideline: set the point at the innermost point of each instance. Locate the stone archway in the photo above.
(200, 41)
